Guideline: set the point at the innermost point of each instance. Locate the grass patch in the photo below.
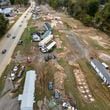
(27, 41)
(58, 50)
(95, 44)
(99, 91)
(42, 84)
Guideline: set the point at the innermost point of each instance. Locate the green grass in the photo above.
(42, 84)
(27, 41)
(100, 92)
(95, 44)
(58, 50)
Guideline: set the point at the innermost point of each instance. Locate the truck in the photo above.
(45, 40)
(45, 48)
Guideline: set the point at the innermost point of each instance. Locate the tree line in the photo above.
(3, 25)
(4, 22)
(91, 12)
(20, 2)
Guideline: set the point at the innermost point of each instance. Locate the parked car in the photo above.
(56, 94)
(4, 51)
(20, 42)
(50, 85)
(8, 35)
(21, 71)
(13, 37)
(12, 76)
(16, 67)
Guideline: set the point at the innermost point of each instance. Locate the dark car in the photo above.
(50, 85)
(49, 57)
(20, 25)
(13, 37)
(4, 51)
(20, 42)
(56, 94)
(8, 35)
(21, 71)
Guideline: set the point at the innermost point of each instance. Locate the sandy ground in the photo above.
(78, 47)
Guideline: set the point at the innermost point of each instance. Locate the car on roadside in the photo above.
(4, 51)
(13, 37)
(20, 42)
(16, 68)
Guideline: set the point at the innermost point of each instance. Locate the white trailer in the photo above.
(50, 46)
(45, 40)
(45, 48)
(105, 65)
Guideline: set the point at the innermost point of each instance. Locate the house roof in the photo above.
(102, 69)
(27, 98)
(7, 10)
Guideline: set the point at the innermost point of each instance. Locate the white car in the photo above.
(12, 76)
(15, 69)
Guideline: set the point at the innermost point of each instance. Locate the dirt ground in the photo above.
(74, 42)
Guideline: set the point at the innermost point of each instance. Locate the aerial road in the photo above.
(8, 44)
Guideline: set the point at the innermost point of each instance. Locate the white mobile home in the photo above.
(45, 48)
(27, 98)
(101, 71)
(45, 40)
(50, 46)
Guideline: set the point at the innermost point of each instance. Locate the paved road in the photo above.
(9, 103)
(9, 43)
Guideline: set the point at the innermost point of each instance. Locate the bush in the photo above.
(87, 20)
(3, 25)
